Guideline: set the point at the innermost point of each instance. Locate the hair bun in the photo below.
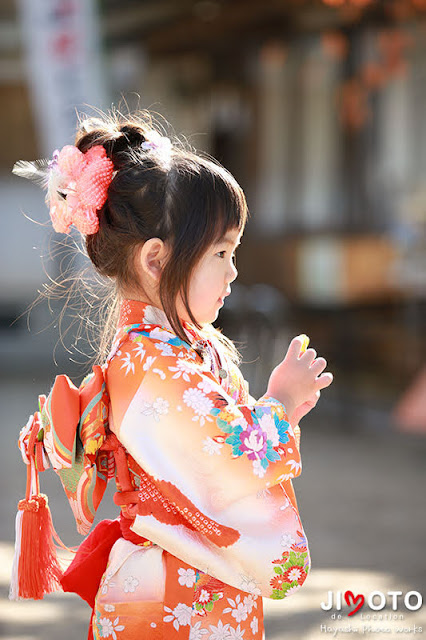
(132, 134)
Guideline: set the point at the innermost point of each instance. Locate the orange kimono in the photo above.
(209, 520)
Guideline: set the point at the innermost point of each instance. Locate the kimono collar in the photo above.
(137, 312)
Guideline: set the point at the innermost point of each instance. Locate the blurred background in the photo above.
(317, 107)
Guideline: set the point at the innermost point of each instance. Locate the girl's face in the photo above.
(210, 280)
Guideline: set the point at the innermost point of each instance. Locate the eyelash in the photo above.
(233, 255)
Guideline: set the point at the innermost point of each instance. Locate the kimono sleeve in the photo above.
(215, 476)
(179, 423)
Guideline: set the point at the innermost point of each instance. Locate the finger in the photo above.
(309, 356)
(295, 347)
(324, 380)
(319, 365)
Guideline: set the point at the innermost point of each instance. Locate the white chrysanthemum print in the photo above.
(250, 584)
(236, 634)
(199, 403)
(161, 334)
(106, 627)
(127, 364)
(196, 632)
(139, 351)
(187, 577)
(294, 574)
(219, 632)
(205, 385)
(130, 584)
(148, 362)
(109, 608)
(240, 422)
(204, 596)
(181, 615)
(159, 407)
(211, 447)
(183, 369)
(254, 625)
(166, 349)
(286, 541)
(109, 628)
(268, 425)
(258, 470)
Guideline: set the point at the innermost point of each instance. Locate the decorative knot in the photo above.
(34, 504)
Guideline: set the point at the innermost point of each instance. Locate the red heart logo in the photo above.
(360, 597)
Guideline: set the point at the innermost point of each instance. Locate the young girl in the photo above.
(208, 522)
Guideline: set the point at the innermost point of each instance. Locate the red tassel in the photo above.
(36, 570)
(39, 571)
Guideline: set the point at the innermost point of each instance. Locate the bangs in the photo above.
(223, 205)
(230, 207)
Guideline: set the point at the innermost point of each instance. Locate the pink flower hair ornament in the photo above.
(77, 185)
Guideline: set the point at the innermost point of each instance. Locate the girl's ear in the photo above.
(151, 257)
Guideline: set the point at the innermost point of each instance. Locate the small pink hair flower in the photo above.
(157, 142)
(83, 179)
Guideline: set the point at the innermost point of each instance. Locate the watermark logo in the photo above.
(375, 600)
(374, 606)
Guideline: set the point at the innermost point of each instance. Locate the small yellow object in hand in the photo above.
(305, 342)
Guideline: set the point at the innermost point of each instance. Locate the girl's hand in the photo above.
(297, 379)
(302, 410)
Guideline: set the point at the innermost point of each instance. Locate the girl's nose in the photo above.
(233, 273)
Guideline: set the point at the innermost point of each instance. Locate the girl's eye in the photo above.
(234, 257)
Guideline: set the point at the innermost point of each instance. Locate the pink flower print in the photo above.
(254, 442)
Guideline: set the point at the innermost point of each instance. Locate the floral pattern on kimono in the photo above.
(213, 468)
